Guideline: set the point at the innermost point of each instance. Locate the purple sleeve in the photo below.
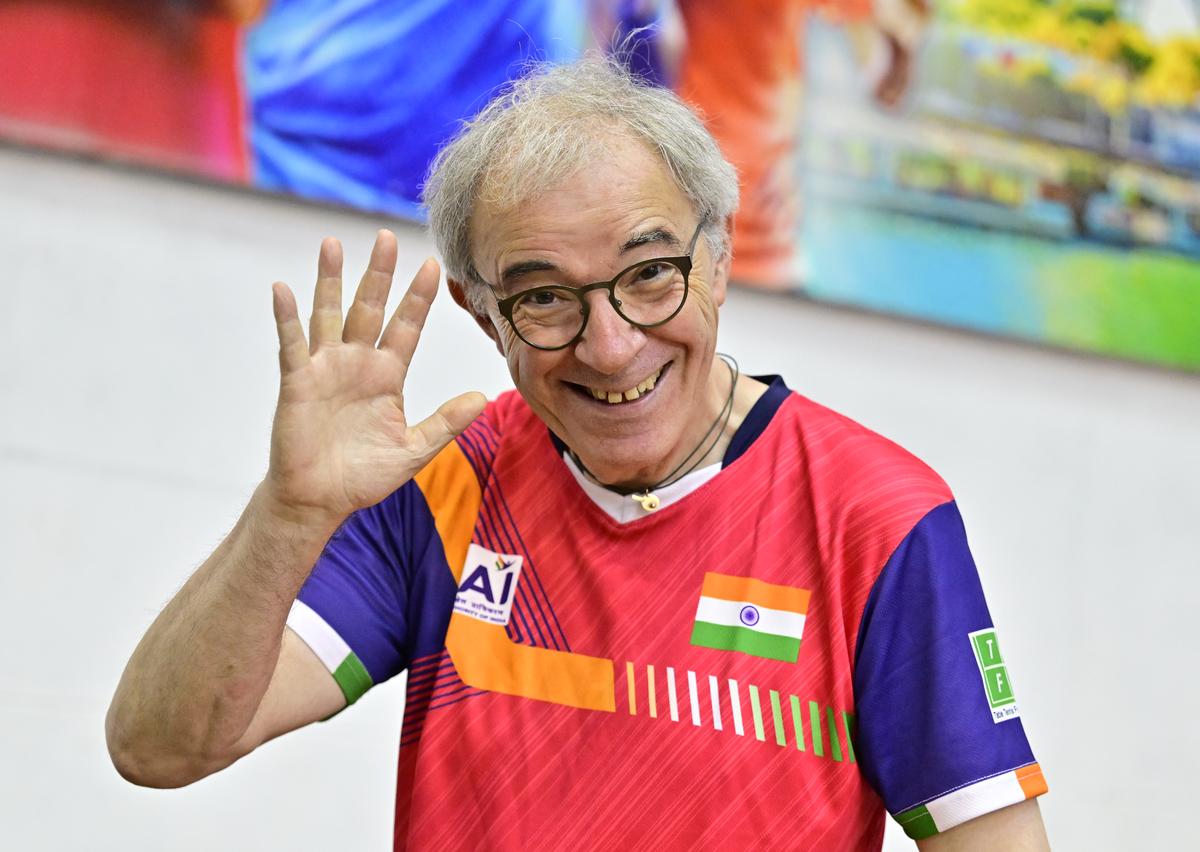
(938, 731)
(383, 586)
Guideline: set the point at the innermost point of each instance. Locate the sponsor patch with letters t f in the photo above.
(996, 685)
(489, 584)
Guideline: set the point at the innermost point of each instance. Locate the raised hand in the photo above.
(341, 440)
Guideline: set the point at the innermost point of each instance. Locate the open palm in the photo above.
(341, 440)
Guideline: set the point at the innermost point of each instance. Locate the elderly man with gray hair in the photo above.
(643, 600)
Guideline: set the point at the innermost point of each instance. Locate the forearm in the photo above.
(194, 682)
(212, 678)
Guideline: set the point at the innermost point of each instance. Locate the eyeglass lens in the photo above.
(646, 294)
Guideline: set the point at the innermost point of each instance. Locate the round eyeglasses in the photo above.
(646, 294)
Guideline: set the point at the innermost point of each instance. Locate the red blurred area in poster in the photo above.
(152, 81)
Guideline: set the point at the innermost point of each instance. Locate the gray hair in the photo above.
(544, 128)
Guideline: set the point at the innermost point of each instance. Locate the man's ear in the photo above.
(722, 266)
(458, 292)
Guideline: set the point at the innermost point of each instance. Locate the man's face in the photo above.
(616, 212)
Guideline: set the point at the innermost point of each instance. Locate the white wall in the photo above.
(137, 376)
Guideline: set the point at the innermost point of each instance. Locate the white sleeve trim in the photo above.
(330, 648)
(973, 800)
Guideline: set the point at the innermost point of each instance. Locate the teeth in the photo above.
(615, 397)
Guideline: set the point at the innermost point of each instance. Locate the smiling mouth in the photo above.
(622, 397)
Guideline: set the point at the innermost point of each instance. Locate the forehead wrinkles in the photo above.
(551, 155)
(521, 176)
(521, 169)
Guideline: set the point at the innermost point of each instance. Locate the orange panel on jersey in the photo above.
(482, 653)
(453, 496)
(487, 659)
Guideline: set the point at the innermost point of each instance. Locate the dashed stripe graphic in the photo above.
(715, 693)
(694, 698)
(847, 727)
(797, 725)
(814, 727)
(834, 744)
(736, 705)
(756, 712)
(777, 718)
(773, 717)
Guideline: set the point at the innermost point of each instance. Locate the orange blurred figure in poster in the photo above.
(743, 66)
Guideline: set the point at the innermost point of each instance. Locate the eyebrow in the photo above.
(656, 235)
(516, 271)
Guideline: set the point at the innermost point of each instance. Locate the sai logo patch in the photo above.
(489, 584)
(996, 685)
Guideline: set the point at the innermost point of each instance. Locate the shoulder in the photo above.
(868, 492)
(863, 464)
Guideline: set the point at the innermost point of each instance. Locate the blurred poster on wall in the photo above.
(1019, 167)
(1041, 178)
(152, 82)
(344, 101)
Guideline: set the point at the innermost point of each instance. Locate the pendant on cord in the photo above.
(647, 501)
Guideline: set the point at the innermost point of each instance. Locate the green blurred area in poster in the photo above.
(1042, 179)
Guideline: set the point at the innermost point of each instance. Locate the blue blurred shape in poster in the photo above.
(349, 101)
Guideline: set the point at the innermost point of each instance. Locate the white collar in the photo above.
(622, 508)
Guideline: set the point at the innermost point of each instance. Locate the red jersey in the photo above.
(789, 643)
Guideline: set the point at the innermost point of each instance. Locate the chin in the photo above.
(632, 459)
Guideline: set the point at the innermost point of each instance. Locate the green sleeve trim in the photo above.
(917, 822)
(351, 675)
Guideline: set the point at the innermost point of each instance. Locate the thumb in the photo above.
(451, 418)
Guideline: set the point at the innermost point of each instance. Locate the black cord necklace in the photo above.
(646, 497)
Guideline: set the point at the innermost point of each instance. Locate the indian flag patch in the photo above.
(748, 615)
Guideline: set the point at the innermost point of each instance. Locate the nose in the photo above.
(609, 342)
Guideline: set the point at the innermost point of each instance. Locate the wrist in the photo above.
(294, 521)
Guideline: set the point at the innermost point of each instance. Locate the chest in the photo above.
(736, 586)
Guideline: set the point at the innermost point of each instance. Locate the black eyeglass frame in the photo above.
(683, 263)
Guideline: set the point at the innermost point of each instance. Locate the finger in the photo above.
(293, 349)
(365, 318)
(325, 325)
(404, 329)
(441, 427)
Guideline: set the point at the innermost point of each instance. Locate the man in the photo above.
(645, 600)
